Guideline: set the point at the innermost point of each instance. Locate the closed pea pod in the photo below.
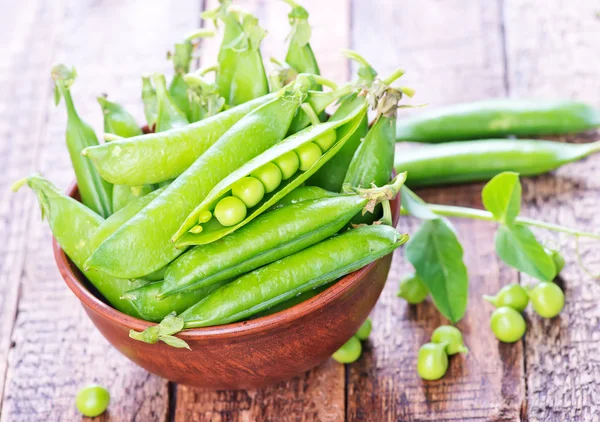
(120, 122)
(497, 118)
(241, 75)
(212, 230)
(205, 99)
(300, 55)
(182, 58)
(149, 100)
(168, 115)
(157, 157)
(470, 161)
(73, 226)
(152, 229)
(95, 192)
(295, 274)
(271, 236)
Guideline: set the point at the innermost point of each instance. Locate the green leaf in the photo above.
(415, 205)
(437, 256)
(175, 342)
(517, 246)
(502, 197)
(149, 335)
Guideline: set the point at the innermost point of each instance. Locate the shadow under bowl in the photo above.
(245, 354)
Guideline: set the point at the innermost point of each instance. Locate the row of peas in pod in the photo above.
(240, 196)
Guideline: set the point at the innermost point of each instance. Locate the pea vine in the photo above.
(437, 254)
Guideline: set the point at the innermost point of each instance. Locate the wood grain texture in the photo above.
(319, 394)
(445, 63)
(56, 350)
(553, 52)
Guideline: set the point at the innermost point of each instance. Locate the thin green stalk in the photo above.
(475, 214)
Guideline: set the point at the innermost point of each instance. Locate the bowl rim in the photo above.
(254, 326)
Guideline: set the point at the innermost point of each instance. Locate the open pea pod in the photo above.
(213, 229)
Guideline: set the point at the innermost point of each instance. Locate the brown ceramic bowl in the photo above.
(245, 354)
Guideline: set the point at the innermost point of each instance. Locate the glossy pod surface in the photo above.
(469, 161)
(496, 118)
(271, 236)
(249, 354)
(295, 274)
(156, 157)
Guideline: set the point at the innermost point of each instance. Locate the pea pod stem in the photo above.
(475, 214)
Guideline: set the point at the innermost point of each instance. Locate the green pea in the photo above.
(92, 400)
(507, 324)
(349, 352)
(413, 289)
(230, 211)
(288, 163)
(365, 330)
(326, 140)
(308, 154)
(547, 299)
(249, 189)
(559, 260)
(451, 337)
(269, 175)
(432, 361)
(513, 295)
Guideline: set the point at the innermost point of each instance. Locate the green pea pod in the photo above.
(498, 118)
(295, 274)
(303, 297)
(168, 115)
(73, 226)
(331, 175)
(149, 308)
(271, 236)
(117, 120)
(149, 100)
(205, 100)
(213, 230)
(120, 122)
(241, 75)
(158, 157)
(470, 161)
(95, 192)
(182, 58)
(143, 244)
(300, 55)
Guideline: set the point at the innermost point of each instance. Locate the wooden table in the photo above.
(453, 50)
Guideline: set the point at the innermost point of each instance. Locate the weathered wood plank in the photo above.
(553, 51)
(23, 76)
(445, 62)
(318, 394)
(56, 350)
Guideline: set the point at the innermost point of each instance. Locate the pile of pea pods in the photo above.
(240, 196)
(247, 191)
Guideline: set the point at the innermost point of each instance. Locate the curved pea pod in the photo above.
(182, 58)
(118, 120)
(95, 192)
(157, 157)
(151, 309)
(149, 100)
(73, 226)
(271, 236)
(143, 244)
(300, 55)
(168, 115)
(303, 297)
(295, 274)
(469, 161)
(213, 230)
(498, 118)
(241, 75)
(331, 175)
